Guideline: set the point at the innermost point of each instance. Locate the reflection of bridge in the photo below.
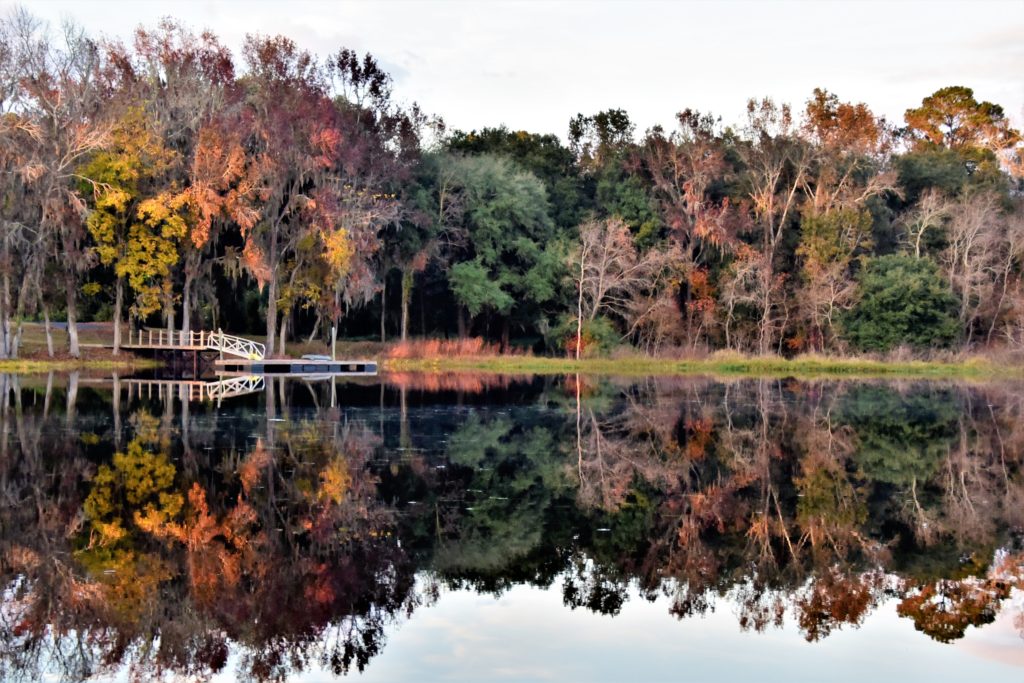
(175, 340)
(191, 390)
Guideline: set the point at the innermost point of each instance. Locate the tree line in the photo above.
(163, 182)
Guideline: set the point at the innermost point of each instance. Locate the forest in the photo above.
(166, 182)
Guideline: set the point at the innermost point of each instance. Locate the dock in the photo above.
(231, 355)
(294, 367)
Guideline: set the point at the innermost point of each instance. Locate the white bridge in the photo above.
(175, 340)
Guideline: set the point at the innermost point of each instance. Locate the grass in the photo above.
(472, 355)
(717, 365)
(25, 366)
(92, 338)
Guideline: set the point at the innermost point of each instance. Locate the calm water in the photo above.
(479, 529)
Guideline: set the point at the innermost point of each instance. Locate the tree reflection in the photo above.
(790, 497)
(295, 537)
(286, 556)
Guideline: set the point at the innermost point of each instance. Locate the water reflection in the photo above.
(293, 527)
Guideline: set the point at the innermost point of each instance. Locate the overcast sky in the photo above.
(533, 65)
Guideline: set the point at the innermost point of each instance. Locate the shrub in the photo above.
(599, 336)
(903, 300)
(443, 348)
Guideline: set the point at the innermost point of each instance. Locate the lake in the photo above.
(487, 528)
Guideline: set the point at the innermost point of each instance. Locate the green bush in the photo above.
(903, 300)
(599, 336)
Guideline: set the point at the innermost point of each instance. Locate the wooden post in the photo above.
(151, 337)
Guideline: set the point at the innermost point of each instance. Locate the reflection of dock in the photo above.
(296, 367)
(189, 390)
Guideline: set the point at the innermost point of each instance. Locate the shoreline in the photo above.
(730, 366)
(739, 366)
(35, 366)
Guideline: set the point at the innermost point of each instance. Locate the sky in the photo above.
(528, 634)
(534, 65)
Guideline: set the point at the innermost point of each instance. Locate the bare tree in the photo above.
(975, 238)
(930, 213)
(609, 272)
(777, 166)
(1010, 291)
(63, 124)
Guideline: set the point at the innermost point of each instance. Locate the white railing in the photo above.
(236, 346)
(214, 341)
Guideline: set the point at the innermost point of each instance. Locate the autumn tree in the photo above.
(136, 224)
(290, 143)
(186, 84)
(690, 177)
(777, 165)
(375, 174)
(953, 118)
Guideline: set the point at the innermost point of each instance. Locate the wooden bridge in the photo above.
(176, 340)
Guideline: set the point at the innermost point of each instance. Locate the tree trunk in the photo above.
(463, 325)
(271, 316)
(186, 304)
(169, 318)
(505, 333)
(5, 320)
(334, 340)
(407, 282)
(5, 309)
(72, 299)
(284, 334)
(49, 332)
(383, 307)
(16, 342)
(316, 330)
(118, 308)
(579, 314)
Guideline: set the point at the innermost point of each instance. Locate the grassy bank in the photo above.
(25, 366)
(93, 338)
(808, 366)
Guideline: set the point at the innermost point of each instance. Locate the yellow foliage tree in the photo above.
(137, 222)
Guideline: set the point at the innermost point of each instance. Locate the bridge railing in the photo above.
(236, 346)
(215, 341)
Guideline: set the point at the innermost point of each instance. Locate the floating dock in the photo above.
(294, 367)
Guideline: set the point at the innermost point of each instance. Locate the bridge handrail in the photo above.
(236, 346)
(215, 341)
